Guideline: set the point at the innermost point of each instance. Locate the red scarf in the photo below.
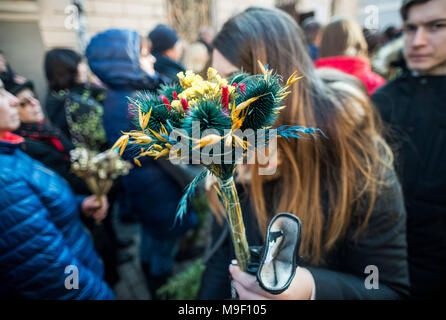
(42, 131)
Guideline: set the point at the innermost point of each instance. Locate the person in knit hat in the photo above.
(167, 49)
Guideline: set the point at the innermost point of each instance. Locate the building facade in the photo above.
(30, 27)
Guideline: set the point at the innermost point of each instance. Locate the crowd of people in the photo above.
(372, 194)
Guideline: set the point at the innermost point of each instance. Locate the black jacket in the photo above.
(383, 244)
(40, 144)
(414, 108)
(78, 113)
(168, 69)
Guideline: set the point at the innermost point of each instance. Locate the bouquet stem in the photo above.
(234, 213)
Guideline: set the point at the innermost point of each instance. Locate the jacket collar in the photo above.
(164, 64)
(430, 77)
(10, 142)
(409, 77)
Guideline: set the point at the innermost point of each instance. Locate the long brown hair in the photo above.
(343, 37)
(322, 181)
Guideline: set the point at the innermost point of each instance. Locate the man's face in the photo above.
(146, 59)
(82, 72)
(175, 53)
(425, 38)
(9, 117)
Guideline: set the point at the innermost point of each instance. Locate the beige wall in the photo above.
(321, 8)
(227, 8)
(26, 55)
(29, 28)
(19, 10)
(346, 8)
(140, 15)
(52, 24)
(324, 9)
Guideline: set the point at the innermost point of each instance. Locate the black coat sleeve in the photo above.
(215, 283)
(216, 280)
(383, 101)
(382, 245)
(55, 111)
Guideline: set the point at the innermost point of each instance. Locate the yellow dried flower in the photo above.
(208, 140)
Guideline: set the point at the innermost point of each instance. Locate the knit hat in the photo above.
(163, 38)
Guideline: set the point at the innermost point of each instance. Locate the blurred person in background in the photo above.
(343, 189)
(41, 234)
(389, 59)
(196, 58)
(168, 50)
(344, 47)
(124, 64)
(390, 33)
(43, 141)
(313, 33)
(413, 106)
(75, 106)
(205, 36)
(374, 41)
(7, 75)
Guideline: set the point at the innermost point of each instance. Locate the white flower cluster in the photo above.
(107, 165)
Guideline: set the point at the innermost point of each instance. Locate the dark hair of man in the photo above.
(407, 4)
(61, 68)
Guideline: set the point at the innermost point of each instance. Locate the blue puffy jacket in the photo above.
(149, 191)
(43, 244)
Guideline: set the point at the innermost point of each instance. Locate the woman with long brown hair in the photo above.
(343, 188)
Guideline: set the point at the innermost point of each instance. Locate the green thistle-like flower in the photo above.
(239, 77)
(161, 114)
(210, 116)
(262, 112)
(168, 90)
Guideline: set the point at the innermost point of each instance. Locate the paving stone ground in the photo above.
(132, 284)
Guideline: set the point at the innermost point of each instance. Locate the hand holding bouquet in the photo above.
(215, 122)
(98, 170)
